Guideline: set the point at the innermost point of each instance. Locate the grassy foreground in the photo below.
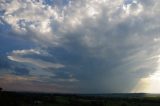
(40, 99)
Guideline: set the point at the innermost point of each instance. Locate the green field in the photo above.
(40, 99)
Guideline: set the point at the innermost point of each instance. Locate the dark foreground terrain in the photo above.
(40, 99)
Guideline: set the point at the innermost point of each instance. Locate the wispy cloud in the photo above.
(17, 55)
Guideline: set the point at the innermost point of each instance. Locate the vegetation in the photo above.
(35, 99)
(1, 89)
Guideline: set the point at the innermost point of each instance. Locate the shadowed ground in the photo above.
(41, 99)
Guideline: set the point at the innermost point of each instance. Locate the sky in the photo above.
(80, 46)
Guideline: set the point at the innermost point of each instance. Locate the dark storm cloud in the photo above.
(21, 71)
(88, 46)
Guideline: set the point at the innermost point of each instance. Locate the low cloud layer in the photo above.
(86, 46)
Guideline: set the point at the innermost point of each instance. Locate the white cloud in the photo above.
(30, 51)
(24, 52)
(49, 22)
(133, 8)
(18, 56)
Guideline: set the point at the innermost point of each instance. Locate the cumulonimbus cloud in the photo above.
(102, 42)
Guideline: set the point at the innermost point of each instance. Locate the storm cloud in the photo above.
(82, 46)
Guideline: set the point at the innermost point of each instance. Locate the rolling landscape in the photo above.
(55, 99)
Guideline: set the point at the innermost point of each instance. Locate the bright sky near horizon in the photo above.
(80, 46)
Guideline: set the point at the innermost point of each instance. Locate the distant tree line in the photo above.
(1, 89)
